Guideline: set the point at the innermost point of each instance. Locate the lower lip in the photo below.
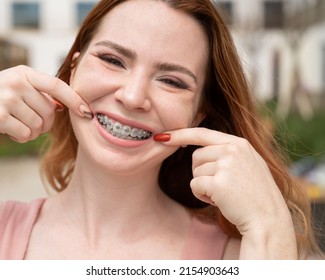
(119, 141)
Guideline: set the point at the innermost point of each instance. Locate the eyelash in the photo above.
(174, 83)
(111, 60)
(116, 62)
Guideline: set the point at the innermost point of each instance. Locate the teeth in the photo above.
(134, 132)
(117, 127)
(126, 130)
(109, 123)
(122, 131)
(105, 120)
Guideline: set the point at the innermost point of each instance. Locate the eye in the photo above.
(174, 83)
(111, 60)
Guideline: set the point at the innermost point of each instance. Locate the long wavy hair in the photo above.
(227, 105)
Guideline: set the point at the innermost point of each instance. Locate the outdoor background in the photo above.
(282, 46)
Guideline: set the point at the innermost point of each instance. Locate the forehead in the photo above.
(152, 27)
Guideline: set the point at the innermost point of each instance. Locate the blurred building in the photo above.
(282, 43)
(283, 48)
(42, 31)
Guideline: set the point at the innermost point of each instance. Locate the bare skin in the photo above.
(113, 207)
(228, 171)
(26, 106)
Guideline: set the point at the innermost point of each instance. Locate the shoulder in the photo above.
(16, 210)
(16, 223)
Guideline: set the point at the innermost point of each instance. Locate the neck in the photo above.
(98, 199)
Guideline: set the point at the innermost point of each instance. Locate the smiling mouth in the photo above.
(122, 131)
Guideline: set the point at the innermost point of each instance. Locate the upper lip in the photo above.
(126, 121)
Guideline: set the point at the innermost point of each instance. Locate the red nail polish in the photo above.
(59, 106)
(162, 137)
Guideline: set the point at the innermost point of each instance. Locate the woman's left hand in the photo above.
(230, 174)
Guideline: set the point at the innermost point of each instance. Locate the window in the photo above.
(225, 9)
(82, 10)
(25, 15)
(273, 14)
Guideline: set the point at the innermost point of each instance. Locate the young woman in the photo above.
(158, 152)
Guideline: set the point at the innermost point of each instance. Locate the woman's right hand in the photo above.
(27, 102)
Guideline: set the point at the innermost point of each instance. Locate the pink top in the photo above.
(205, 241)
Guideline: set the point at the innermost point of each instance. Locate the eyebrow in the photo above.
(162, 66)
(120, 49)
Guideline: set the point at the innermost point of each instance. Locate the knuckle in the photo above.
(221, 180)
(36, 127)
(233, 149)
(228, 163)
(243, 143)
(11, 99)
(3, 116)
(21, 68)
(33, 137)
(196, 155)
(25, 135)
(195, 172)
(38, 123)
(238, 146)
(196, 159)
(11, 89)
(193, 184)
(13, 72)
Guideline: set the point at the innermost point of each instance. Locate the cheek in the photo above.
(176, 113)
(92, 82)
(86, 85)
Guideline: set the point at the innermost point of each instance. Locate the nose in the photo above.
(134, 93)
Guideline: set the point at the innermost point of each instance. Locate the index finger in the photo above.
(198, 136)
(59, 90)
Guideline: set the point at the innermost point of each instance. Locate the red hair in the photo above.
(227, 105)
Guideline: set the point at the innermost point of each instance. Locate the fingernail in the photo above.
(162, 137)
(85, 112)
(59, 106)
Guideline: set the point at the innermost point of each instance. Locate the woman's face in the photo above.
(142, 74)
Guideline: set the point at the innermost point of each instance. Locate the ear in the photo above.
(74, 63)
(75, 55)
